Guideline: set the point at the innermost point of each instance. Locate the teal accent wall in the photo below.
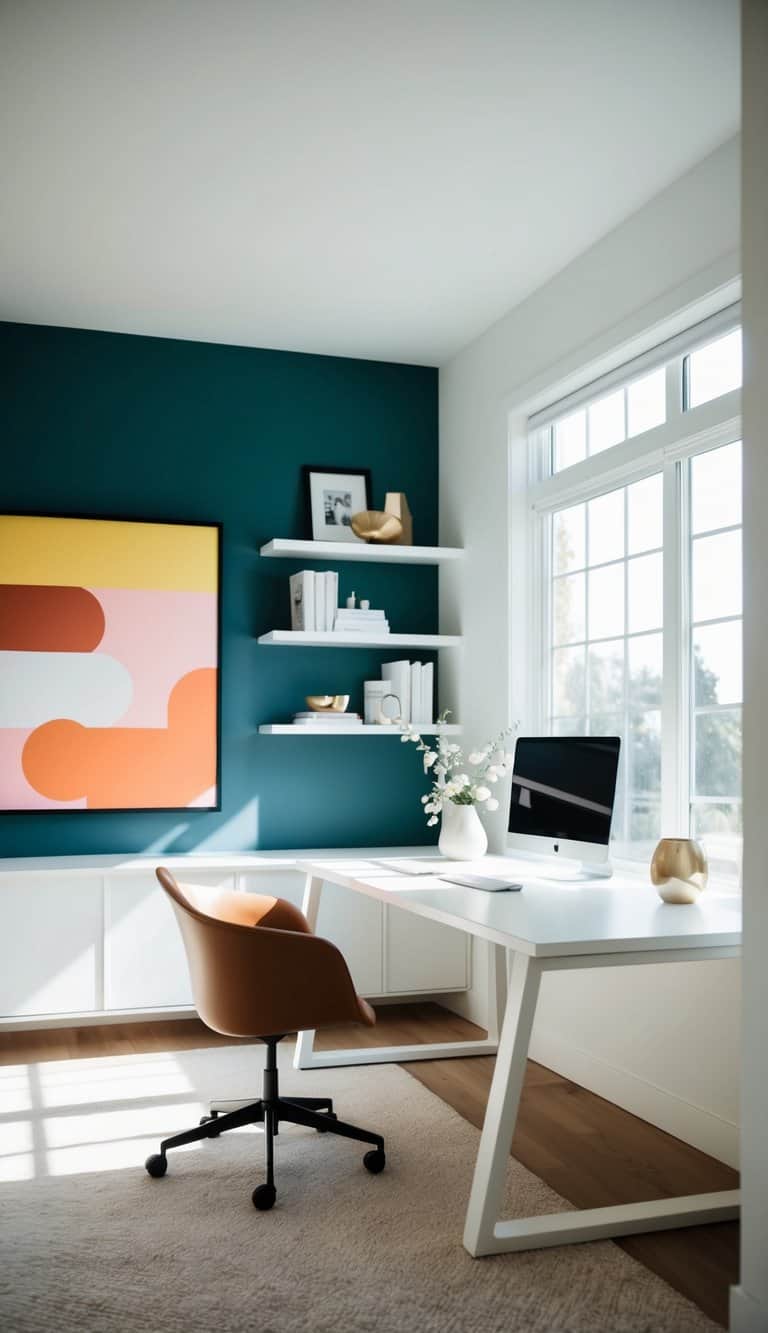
(104, 424)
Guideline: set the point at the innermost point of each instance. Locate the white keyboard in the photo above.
(485, 882)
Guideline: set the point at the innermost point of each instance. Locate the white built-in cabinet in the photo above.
(96, 936)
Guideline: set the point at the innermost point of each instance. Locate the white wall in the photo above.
(749, 1306)
(662, 1042)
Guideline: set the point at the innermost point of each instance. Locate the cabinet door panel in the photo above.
(145, 966)
(288, 884)
(49, 949)
(354, 924)
(423, 955)
(351, 921)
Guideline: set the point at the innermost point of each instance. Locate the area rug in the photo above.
(89, 1242)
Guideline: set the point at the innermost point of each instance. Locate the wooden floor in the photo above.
(586, 1148)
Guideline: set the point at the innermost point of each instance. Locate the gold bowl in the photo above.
(374, 525)
(327, 703)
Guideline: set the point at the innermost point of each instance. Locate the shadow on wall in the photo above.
(238, 830)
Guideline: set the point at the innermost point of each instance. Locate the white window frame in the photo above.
(665, 449)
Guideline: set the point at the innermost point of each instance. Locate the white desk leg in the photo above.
(484, 1231)
(497, 989)
(310, 906)
(501, 1114)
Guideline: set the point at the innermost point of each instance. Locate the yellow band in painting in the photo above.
(107, 553)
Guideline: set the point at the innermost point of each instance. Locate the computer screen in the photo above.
(563, 787)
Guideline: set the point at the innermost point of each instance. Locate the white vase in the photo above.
(462, 836)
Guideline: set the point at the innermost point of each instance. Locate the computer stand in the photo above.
(567, 871)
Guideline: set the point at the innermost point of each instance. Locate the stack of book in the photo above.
(314, 598)
(353, 620)
(339, 721)
(412, 684)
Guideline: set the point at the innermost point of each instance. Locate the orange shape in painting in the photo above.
(131, 768)
(41, 619)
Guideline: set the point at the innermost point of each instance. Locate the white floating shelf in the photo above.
(384, 554)
(335, 729)
(302, 638)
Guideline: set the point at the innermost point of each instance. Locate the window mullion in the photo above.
(674, 389)
(674, 710)
(543, 636)
(626, 719)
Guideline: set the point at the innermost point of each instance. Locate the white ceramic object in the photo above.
(462, 836)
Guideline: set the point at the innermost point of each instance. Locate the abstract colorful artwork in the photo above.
(109, 634)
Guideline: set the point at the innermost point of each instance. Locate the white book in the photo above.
(296, 584)
(355, 631)
(399, 676)
(308, 575)
(428, 693)
(326, 715)
(349, 725)
(325, 712)
(319, 601)
(302, 591)
(416, 692)
(331, 598)
(320, 719)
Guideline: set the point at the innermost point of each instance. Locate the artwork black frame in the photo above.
(169, 522)
(311, 468)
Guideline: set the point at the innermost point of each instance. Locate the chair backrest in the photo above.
(256, 968)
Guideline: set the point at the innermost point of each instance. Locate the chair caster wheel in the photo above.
(263, 1197)
(331, 1115)
(157, 1164)
(207, 1120)
(375, 1161)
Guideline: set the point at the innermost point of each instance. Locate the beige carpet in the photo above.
(89, 1242)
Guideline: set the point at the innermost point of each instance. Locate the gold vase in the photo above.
(680, 870)
(396, 503)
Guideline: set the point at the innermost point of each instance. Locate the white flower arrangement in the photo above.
(447, 764)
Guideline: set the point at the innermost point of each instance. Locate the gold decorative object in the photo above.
(680, 870)
(327, 703)
(373, 525)
(395, 503)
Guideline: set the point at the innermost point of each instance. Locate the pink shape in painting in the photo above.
(159, 637)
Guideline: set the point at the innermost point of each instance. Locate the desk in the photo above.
(595, 923)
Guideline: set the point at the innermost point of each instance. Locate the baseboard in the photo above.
(747, 1314)
(89, 1018)
(104, 1017)
(719, 1138)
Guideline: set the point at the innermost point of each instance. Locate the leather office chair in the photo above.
(258, 971)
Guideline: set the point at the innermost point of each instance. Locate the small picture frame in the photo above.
(333, 496)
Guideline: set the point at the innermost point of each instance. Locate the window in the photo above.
(607, 640)
(636, 407)
(641, 556)
(713, 370)
(639, 403)
(715, 652)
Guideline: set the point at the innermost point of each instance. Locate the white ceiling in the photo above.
(374, 178)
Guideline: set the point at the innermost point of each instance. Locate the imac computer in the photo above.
(561, 806)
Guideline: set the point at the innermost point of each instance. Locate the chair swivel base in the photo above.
(272, 1109)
